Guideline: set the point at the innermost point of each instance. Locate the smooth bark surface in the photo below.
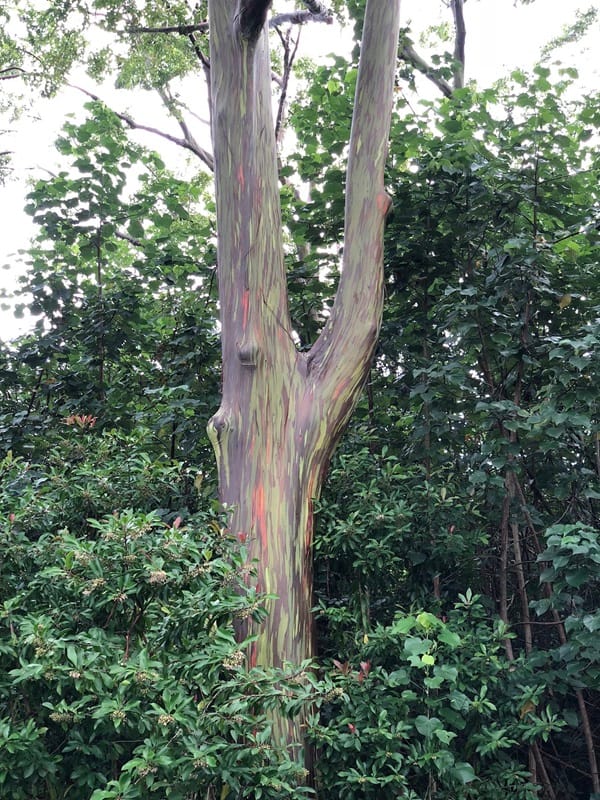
(282, 410)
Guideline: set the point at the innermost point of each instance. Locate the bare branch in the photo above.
(8, 73)
(173, 107)
(183, 30)
(202, 154)
(290, 18)
(202, 58)
(127, 238)
(251, 17)
(408, 53)
(189, 111)
(290, 50)
(300, 17)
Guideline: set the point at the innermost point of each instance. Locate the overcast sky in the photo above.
(500, 37)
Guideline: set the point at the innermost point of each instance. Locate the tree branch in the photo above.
(347, 342)
(202, 154)
(127, 238)
(251, 17)
(172, 107)
(250, 245)
(289, 18)
(300, 17)
(184, 30)
(289, 54)
(202, 58)
(8, 73)
(408, 53)
(181, 30)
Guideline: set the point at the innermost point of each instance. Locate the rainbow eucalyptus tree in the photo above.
(283, 410)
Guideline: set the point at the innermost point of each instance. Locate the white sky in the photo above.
(500, 37)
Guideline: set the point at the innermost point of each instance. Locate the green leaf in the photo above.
(427, 726)
(450, 638)
(464, 772)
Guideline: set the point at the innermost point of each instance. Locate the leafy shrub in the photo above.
(432, 707)
(120, 673)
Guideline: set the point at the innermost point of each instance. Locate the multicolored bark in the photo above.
(282, 410)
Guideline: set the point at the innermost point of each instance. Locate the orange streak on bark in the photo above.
(240, 176)
(339, 389)
(308, 534)
(245, 307)
(252, 655)
(258, 506)
(383, 202)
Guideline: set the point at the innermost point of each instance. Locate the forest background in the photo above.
(456, 551)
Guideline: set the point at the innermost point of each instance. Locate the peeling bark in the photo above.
(282, 411)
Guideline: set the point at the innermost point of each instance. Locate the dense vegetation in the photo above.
(457, 550)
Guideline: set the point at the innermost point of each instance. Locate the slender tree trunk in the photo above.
(503, 572)
(282, 411)
(460, 35)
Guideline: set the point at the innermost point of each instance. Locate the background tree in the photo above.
(122, 285)
(469, 345)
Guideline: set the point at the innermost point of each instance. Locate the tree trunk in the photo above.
(282, 411)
